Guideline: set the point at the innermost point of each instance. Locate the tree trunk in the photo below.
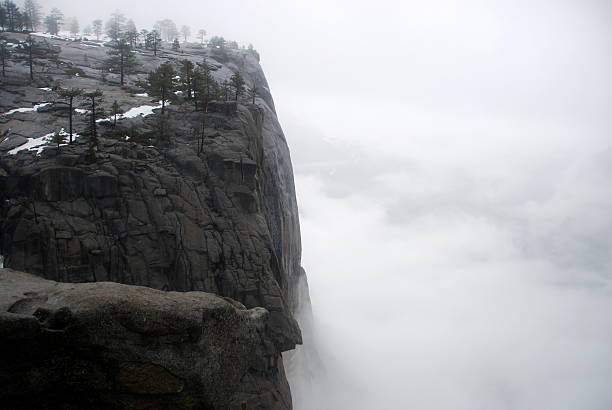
(121, 64)
(70, 118)
(31, 64)
(163, 101)
(93, 118)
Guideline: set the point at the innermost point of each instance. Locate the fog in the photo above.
(453, 164)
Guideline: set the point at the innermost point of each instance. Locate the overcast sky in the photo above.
(453, 163)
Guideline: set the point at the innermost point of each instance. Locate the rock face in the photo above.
(207, 205)
(111, 346)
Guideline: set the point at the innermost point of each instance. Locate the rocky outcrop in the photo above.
(111, 346)
(202, 202)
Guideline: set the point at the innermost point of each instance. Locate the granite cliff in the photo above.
(212, 208)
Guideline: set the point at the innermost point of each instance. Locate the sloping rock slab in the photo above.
(110, 346)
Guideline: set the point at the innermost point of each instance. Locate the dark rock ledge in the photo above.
(111, 346)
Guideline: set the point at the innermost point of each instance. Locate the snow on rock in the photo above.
(142, 111)
(46, 89)
(81, 111)
(40, 143)
(142, 95)
(48, 35)
(31, 109)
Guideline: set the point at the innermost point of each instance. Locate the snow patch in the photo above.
(142, 95)
(40, 143)
(142, 111)
(48, 35)
(81, 111)
(32, 109)
(46, 89)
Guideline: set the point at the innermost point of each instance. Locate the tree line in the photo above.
(30, 17)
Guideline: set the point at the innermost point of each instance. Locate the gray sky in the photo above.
(452, 162)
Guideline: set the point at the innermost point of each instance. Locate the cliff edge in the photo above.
(212, 208)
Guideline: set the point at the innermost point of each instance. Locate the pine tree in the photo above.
(253, 94)
(166, 29)
(70, 94)
(201, 35)
(58, 138)
(142, 35)
(13, 15)
(95, 97)
(115, 26)
(34, 50)
(176, 46)
(116, 111)
(5, 55)
(131, 33)
(161, 83)
(33, 10)
(251, 50)
(217, 42)
(74, 26)
(54, 21)
(225, 87)
(3, 20)
(152, 41)
(97, 28)
(186, 32)
(206, 87)
(237, 83)
(122, 59)
(186, 73)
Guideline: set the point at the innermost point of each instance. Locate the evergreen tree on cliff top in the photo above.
(206, 87)
(186, 73)
(97, 28)
(12, 18)
(95, 97)
(70, 94)
(35, 50)
(53, 22)
(115, 26)
(5, 55)
(121, 59)
(33, 10)
(161, 83)
(152, 41)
